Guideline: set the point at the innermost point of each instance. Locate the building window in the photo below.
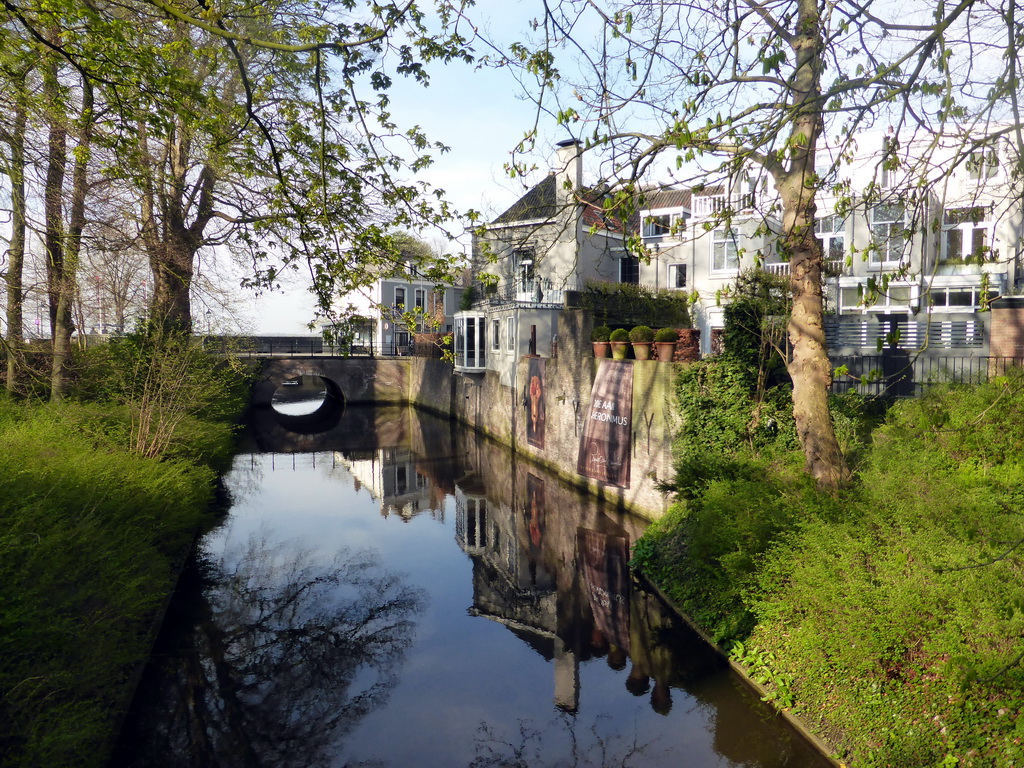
(960, 298)
(510, 334)
(890, 162)
(629, 269)
(888, 233)
(965, 235)
(523, 269)
(676, 275)
(656, 226)
(495, 334)
(435, 306)
(983, 164)
(831, 232)
(420, 299)
(400, 298)
(470, 342)
(725, 250)
(898, 296)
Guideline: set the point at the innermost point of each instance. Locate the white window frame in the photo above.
(938, 297)
(674, 271)
(968, 230)
(828, 236)
(725, 250)
(885, 301)
(888, 235)
(495, 334)
(657, 225)
(399, 297)
(510, 334)
(420, 299)
(987, 159)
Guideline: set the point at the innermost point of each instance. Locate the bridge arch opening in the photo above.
(307, 404)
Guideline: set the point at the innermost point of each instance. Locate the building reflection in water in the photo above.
(270, 651)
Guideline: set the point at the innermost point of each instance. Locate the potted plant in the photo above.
(642, 336)
(665, 344)
(599, 336)
(619, 340)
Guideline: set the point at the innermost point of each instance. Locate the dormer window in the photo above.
(657, 226)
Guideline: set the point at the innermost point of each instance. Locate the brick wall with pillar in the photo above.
(1006, 336)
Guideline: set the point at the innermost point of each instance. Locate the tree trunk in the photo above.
(809, 367)
(53, 193)
(72, 249)
(16, 253)
(172, 265)
(169, 200)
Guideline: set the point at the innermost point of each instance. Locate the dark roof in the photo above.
(666, 198)
(539, 202)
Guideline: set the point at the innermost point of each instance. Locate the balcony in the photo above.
(708, 206)
(539, 292)
(830, 268)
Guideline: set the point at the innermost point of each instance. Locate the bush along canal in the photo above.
(396, 592)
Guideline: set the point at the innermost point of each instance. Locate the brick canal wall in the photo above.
(501, 412)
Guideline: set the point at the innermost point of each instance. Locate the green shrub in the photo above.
(91, 537)
(600, 333)
(641, 334)
(619, 334)
(628, 304)
(665, 335)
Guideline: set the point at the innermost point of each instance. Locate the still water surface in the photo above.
(401, 593)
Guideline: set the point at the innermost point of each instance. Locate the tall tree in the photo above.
(266, 128)
(743, 87)
(15, 72)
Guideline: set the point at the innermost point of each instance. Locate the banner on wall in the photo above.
(535, 411)
(606, 443)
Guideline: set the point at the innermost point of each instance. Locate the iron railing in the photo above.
(301, 346)
(897, 373)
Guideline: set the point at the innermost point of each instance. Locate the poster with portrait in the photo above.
(606, 442)
(535, 412)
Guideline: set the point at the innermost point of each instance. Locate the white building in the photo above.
(547, 245)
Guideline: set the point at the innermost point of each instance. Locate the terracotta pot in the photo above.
(600, 348)
(666, 351)
(619, 349)
(642, 350)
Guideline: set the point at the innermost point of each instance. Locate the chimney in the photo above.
(568, 170)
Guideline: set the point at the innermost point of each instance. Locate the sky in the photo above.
(481, 115)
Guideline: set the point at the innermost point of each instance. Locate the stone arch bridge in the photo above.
(360, 379)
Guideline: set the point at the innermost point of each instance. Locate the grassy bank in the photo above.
(93, 525)
(890, 616)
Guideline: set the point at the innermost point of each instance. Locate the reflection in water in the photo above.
(293, 657)
(300, 396)
(284, 658)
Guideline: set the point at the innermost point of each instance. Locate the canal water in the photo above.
(389, 590)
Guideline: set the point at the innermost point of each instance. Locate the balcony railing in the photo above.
(706, 206)
(830, 268)
(536, 292)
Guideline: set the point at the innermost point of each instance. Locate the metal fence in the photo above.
(300, 346)
(896, 373)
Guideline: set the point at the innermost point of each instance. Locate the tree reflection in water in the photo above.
(602, 747)
(283, 657)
